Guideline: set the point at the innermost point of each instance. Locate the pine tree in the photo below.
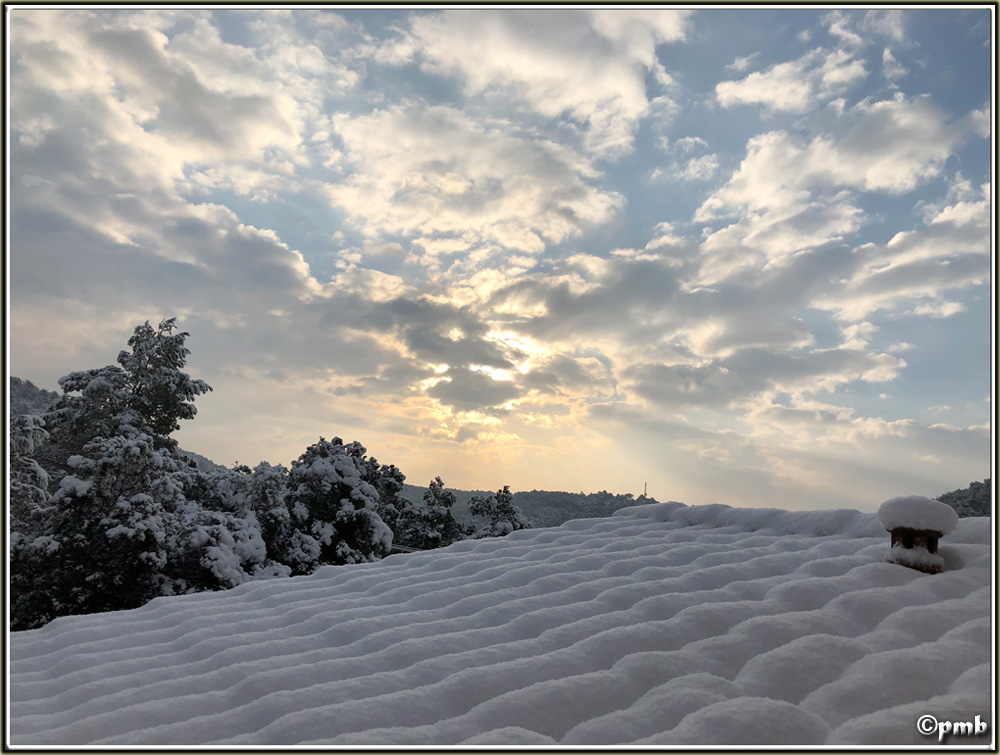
(147, 390)
(500, 514)
(440, 526)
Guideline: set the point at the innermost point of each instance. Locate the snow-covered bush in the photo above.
(333, 509)
(500, 514)
(267, 488)
(211, 550)
(103, 541)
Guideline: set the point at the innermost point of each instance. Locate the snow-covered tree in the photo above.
(971, 501)
(103, 541)
(29, 482)
(333, 509)
(500, 514)
(100, 540)
(430, 524)
(146, 390)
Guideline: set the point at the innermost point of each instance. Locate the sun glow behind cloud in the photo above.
(566, 249)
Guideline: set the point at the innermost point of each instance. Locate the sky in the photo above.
(735, 255)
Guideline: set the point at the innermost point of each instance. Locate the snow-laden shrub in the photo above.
(500, 515)
(105, 533)
(430, 523)
(333, 509)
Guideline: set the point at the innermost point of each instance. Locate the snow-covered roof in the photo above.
(665, 624)
(917, 512)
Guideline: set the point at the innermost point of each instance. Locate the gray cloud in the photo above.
(468, 390)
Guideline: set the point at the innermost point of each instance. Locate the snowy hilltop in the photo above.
(663, 625)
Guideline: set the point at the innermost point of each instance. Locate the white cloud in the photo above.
(434, 170)
(741, 64)
(370, 284)
(891, 68)
(919, 265)
(838, 24)
(699, 168)
(190, 110)
(845, 26)
(689, 143)
(773, 236)
(793, 193)
(889, 23)
(798, 85)
(588, 65)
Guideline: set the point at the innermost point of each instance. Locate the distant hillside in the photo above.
(545, 508)
(28, 398)
(462, 497)
(204, 464)
(971, 501)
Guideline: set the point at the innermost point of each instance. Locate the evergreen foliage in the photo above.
(333, 508)
(430, 523)
(971, 501)
(550, 508)
(500, 515)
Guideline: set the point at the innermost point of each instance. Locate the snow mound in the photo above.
(917, 512)
(662, 625)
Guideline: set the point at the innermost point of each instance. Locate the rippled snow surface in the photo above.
(665, 624)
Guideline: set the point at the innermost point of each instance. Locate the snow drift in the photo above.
(665, 624)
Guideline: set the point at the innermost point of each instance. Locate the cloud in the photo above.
(796, 86)
(891, 68)
(699, 168)
(741, 64)
(435, 170)
(159, 94)
(838, 25)
(921, 265)
(588, 65)
(468, 390)
(372, 284)
(888, 23)
(794, 193)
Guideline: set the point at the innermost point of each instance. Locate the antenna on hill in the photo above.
(643, 490)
